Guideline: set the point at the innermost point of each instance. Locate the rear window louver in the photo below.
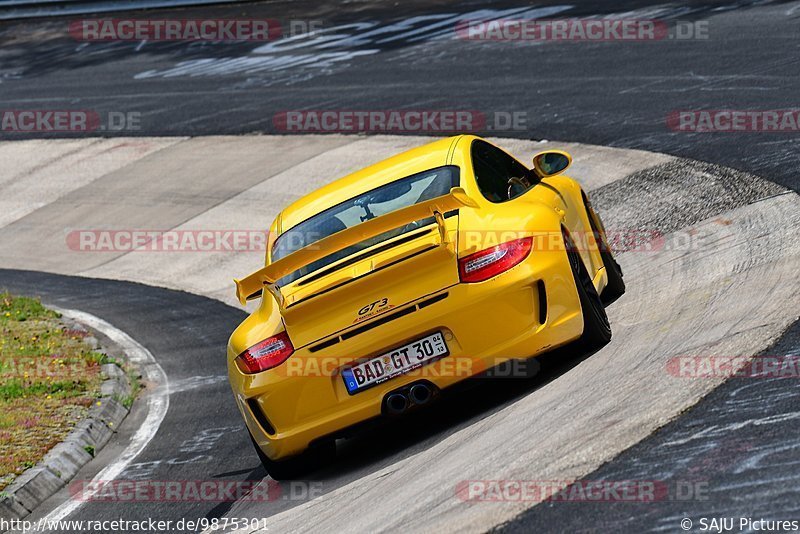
(345, 282)
(355, 259)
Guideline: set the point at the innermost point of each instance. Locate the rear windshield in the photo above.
(380, 201)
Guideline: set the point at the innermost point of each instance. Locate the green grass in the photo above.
(16, 388)
(48, 380)
(135, 381)
(21, 308)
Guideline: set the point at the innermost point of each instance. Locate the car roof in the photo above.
(412, 161)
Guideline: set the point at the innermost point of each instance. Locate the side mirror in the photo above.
(551, 162)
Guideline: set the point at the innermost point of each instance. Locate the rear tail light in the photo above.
(493, 261)
(266, 354)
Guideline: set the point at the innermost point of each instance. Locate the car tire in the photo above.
(596, 327)
(292, 468)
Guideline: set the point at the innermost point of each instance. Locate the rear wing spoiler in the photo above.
(265, 278)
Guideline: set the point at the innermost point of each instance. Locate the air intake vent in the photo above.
(260, 417)
(542, 302)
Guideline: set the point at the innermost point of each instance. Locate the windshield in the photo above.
(390, 197)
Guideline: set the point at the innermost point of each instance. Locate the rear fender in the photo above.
(264, 322)
(482, 229)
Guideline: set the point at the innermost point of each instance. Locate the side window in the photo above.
(500, 177)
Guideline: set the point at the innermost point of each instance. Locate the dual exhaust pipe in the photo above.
(398, 402)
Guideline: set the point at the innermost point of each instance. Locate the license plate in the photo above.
(396, 362)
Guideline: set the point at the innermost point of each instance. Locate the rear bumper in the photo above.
(484, 324)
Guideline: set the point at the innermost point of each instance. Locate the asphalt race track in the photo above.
(740, 461)
(720, 280)
(685, 296)
(379, 56)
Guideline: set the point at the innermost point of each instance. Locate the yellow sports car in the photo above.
(388, 285)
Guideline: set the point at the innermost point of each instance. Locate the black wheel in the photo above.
(596, 327)
(616, 285)
(292, 468)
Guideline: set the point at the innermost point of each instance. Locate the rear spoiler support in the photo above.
(442, 226)
(267, 277)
